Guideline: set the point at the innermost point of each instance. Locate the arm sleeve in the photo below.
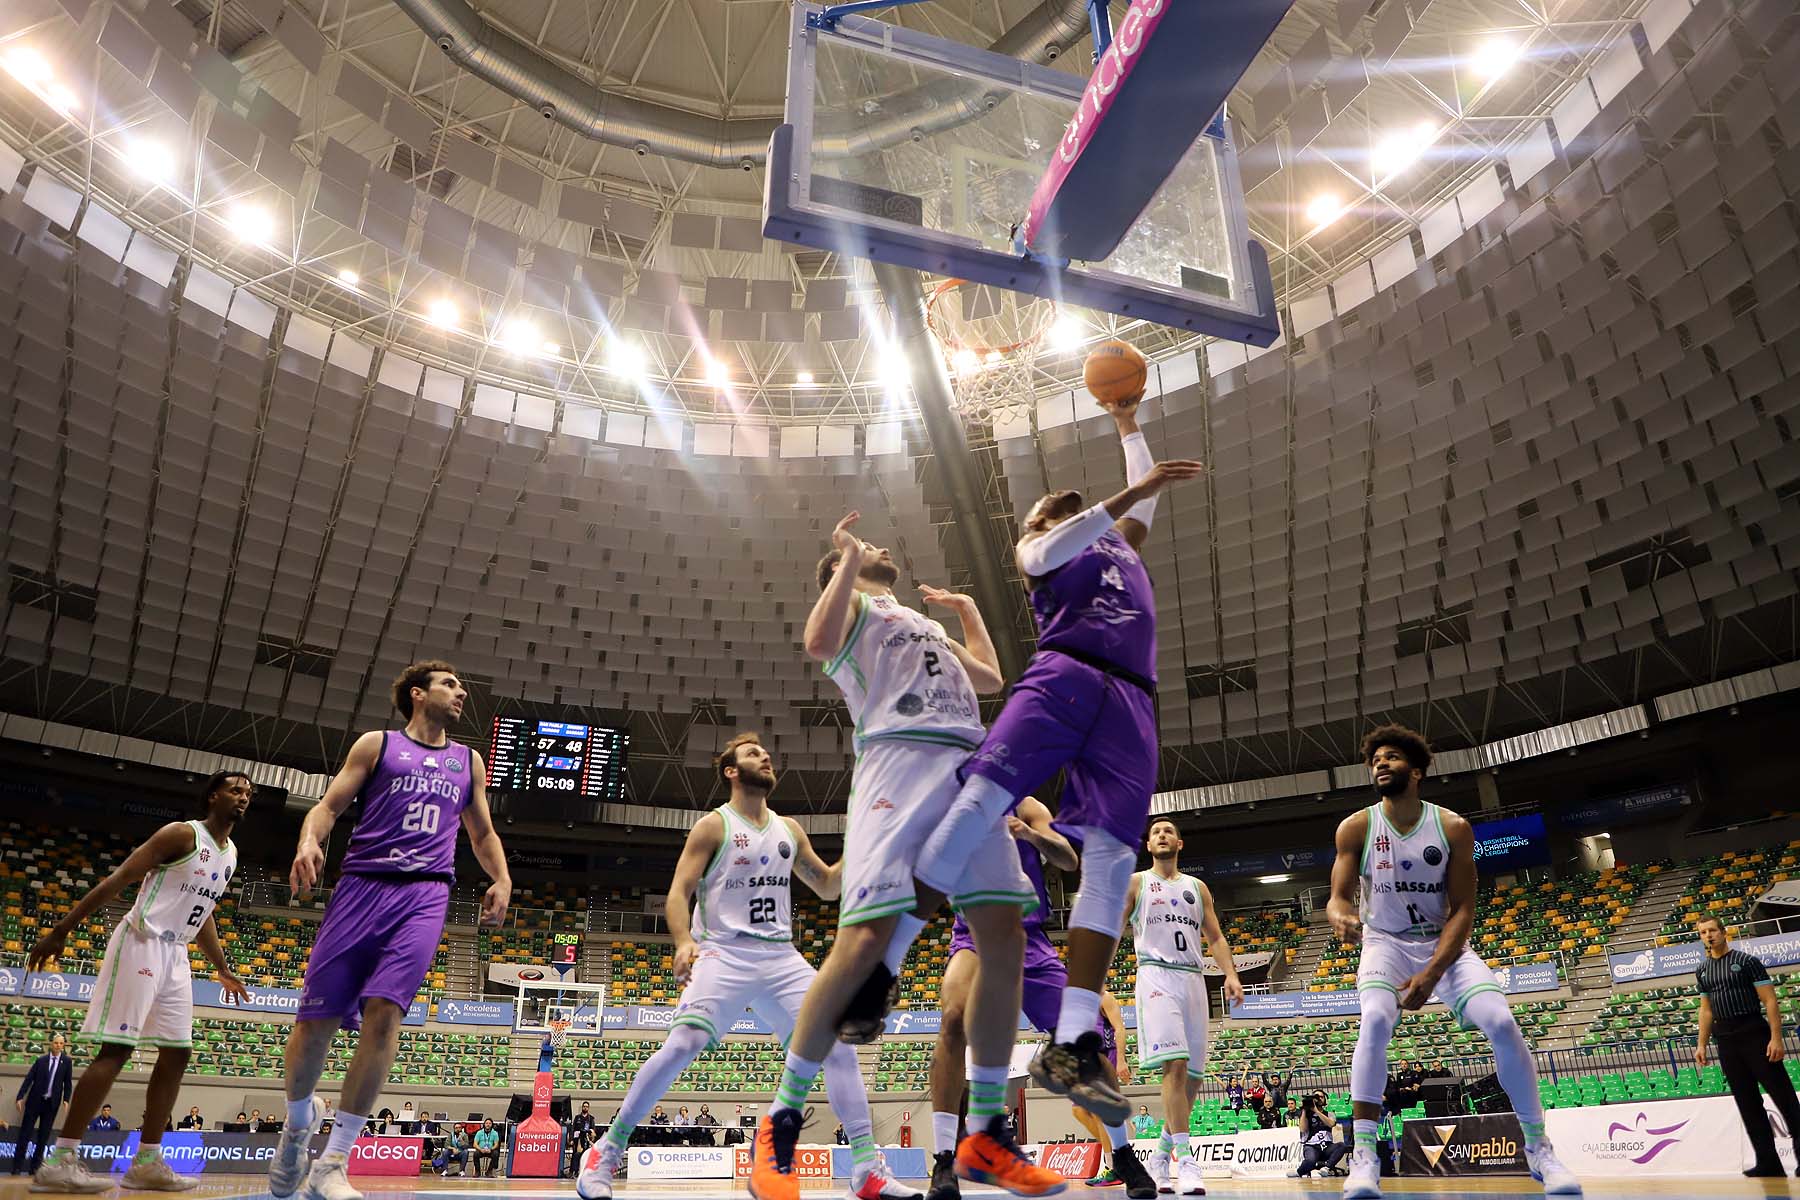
(1042, 555)
(1138, 462)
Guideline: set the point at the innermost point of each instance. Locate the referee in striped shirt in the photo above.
(1739, 1012)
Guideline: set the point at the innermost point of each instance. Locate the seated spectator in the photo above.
(487, 1147)
(105, 1122)
(840, 1138)
(1267, 1115)
(658, 1116)
(193, 1120)
(1319, 1148)
(682, 1118)
(255, 1119)
(1146, 1126)
(455, 1152)
(268, 1124)
(705, 1117)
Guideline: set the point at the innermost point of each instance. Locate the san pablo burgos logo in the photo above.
(1498, 1149)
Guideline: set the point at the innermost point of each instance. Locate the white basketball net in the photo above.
(559, 1030)
(989, 337)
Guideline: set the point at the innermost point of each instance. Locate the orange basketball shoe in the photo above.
(772, 1159)
(991, 1156)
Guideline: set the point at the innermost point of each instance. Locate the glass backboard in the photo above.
(911, 149)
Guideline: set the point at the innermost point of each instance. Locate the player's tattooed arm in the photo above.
(1030, 822)
(978, 658)
(829, 622)
(484, 842)
(1459, 912)
(1220, 945)
(167, 844)
(1340, 910)
(231, 987)
(827, 881)
(315, 830)
(703, 841)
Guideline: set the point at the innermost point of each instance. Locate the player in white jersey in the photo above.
(734, 950)
(1173, 924)
(912, 691)
(1416, 865)
(144, 995)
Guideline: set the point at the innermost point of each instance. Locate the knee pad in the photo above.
(1106, 865)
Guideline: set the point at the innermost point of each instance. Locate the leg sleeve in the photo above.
(1368, 1063)
(1489, 1012)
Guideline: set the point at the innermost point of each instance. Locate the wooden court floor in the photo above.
(230, 1187)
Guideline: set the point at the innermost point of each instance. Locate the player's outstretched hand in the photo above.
(685, 954)
(945, 598)
(1164, 473)
(309, 862)
(843, 538)
(493, 904)
(45, 950)
(232, 989)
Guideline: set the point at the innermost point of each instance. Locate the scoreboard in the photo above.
(555, 759)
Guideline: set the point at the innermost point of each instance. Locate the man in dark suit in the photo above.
(46, 1089)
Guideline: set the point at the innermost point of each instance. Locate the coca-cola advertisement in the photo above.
(1071, 1160)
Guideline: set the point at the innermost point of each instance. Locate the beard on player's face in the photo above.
(880, 570)
(1394, 782)
(760, 776)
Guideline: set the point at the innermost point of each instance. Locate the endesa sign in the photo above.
(397, 1156)
(196, 1152)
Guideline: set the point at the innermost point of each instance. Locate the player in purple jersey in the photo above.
(1040, 1002)
(386, 916)
(1086, 703)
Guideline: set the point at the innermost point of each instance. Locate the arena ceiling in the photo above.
(1525, 453)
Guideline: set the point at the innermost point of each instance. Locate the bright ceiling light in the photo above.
(28, 67)
(521, 337)
(1273, 878)
(964, 360)
(59, 97)
(348, 278)
(1067, 333)
(893, 371)
(442, 313)
(627, 359)
(1494, 57)
(253, 223)
(552, 349)
(804, 378)
(1323, 209)
(151, 160)
(1400, 149)
(717, 373)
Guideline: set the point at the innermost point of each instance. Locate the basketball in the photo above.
(1115, 372)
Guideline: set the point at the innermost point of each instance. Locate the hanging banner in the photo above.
(12, 981)
(1786, 894)
(1661, 962)
(1625, 809)
(1281, 862)
(475, 1012)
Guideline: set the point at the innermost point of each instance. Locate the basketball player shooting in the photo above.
(1087, 703)
(911, 689)
(730, 914)
(386, 916)
(1416, 864)
(143, 996)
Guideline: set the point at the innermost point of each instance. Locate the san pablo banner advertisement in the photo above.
(1482, 1144)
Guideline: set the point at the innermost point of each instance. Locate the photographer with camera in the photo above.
(1320, 1147)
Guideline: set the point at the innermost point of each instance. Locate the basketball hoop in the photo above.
(559, 1029)
(989, 337)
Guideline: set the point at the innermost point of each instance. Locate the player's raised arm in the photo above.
(703, 841)
(976, 650)
(165, 845)
(315, 830)
(484, 843)
(1459, 911)
(1340, 910)
(826, 881)
(1220, 945)
(1030, 822)
(830, 619)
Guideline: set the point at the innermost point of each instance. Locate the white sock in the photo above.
(1180, 1142)
(1080, 1012)
(345, 1129)
(906, 928)
(63, 1143)
(943, 1131)
(300, 1115)
(1116, 1134)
